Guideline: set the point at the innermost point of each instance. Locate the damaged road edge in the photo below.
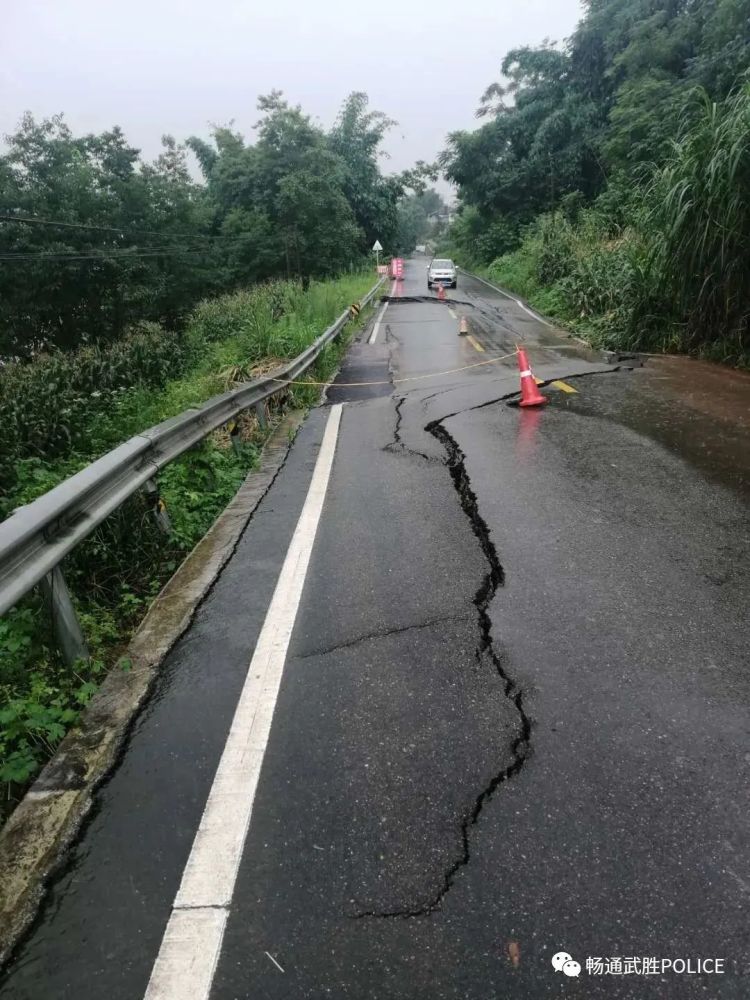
(37, 835)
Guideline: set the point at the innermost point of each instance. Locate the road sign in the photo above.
(377, 247)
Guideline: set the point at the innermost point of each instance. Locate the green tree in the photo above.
(120, 247)
(356, 139)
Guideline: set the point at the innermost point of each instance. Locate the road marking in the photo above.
(376, 328)
(452, 313)
(475, 344)
(563, 386)
(274, 961)
(511, 297)
(191, 944)
(529, 311)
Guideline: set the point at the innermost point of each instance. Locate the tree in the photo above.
(540, 144)
(356, 139)
(418, 219)
(113, 240)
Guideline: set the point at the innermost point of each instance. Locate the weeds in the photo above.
(116, 573)
(669, 270)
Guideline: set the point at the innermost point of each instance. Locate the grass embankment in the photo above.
(607, 287)
(62, 412)
(661, 266)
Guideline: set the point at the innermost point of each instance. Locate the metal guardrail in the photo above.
(36, 537)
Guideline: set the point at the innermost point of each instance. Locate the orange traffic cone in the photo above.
(441, 293)
(463, 326)
(530, 395)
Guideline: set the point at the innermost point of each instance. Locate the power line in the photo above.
(91, 251)
(104, 256)
(36, 221)
(95, 253)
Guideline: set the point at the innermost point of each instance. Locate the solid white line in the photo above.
(529, 311)
(376, 328)
(511, 297)
(190, 948)
(274, 961)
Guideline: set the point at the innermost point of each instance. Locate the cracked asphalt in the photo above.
(513, 718)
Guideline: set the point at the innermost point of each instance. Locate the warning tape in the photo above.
(395, 381)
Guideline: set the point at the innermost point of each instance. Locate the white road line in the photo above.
(512, 299)
(184, 968)
(519, 303)
(376, 328)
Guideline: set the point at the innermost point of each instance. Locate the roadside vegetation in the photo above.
(421, 220)
(109, 241)
(103, 395)
(131, 290)
(610, 183)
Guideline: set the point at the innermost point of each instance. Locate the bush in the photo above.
(49, 407)
(592, 276)
(115, 574)
(475, 241)
(658, 266)
(700, 225)
(102, 395)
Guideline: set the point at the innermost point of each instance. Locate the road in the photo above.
(513, 714)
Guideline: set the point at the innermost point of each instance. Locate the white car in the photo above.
(441, 272)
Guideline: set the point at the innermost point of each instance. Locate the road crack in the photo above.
(382, 634)
(397, 445)
(493, 578)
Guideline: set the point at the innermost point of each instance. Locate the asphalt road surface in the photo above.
(504, 713)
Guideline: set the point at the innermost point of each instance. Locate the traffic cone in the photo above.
(441, 293)
(463, 327)
(530, 395)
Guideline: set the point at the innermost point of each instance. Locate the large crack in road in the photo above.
(485, 651)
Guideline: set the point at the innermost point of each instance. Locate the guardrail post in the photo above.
(64, 619)
(233, 429)
(260, 413)
(161, 516)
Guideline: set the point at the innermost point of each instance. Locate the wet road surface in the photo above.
(513, 718)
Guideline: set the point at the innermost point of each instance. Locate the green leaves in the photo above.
(115, 574)
(620, 187)
(700, 221)
(84, 385)
(66, 285)
(32, 726)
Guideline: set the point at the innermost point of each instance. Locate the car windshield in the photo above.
(442, 263)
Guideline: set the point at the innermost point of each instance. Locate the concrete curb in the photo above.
(42, 827)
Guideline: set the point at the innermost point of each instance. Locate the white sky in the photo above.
(155, 66)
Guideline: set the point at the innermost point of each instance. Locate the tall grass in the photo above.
(115, 573)
(675, 274)
(63, 410)
(700, 223)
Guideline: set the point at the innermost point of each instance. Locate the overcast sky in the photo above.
(155, 66)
